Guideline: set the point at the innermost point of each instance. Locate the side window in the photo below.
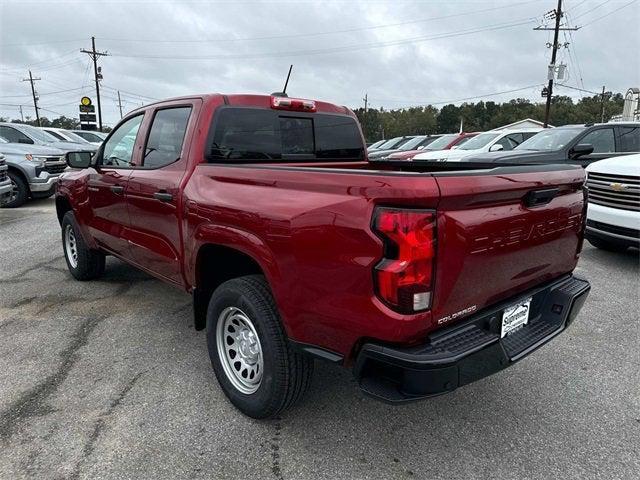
(506, 143)
(515, 139)
(528, 135)
(166, 136)
(118, 150)
(630, 139)
(601, 139)
(13, 135)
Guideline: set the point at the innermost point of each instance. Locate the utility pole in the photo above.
(366, 101)
(35, 97)
(119, 104)
(96, 74)
(557, 14)
(602, 106)
(21, 114)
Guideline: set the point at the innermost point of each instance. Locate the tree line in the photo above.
(482, 116)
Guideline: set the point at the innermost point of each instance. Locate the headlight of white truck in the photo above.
(38, 160)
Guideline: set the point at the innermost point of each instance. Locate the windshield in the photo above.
(90, 136)
(75, 138)
(479, 141)
(38, 134)
(549, 140)
(57, 135)
(413, 143)
(440, 143)
(375, 145)
(389, 143)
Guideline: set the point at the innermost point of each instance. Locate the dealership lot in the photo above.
(108, 379)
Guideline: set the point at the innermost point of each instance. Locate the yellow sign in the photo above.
(86, 101)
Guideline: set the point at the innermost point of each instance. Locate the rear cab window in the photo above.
(244, 134)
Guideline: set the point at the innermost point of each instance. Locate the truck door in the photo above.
(604, 146)
(106, 187)
(153, 194)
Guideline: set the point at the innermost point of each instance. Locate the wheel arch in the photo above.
(63, 205)
(215, 264)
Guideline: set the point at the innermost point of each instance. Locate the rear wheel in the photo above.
(19, 191)
(83, 262)
(611, 246)
(255, 365)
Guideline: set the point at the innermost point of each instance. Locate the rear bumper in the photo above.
(470, 351)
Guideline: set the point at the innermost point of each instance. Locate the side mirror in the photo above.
(28, 141)
(580, 150)
(78, 159)
(496, 147)
(454, 147)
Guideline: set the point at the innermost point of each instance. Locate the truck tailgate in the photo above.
(502, 231)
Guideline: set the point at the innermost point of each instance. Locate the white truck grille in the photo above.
(615, 191)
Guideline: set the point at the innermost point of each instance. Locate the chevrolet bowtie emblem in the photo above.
(617, 186)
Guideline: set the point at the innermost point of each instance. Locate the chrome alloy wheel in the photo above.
(71, 246)
(239, 350)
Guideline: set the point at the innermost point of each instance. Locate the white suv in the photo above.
(492, 141)
(613, 217)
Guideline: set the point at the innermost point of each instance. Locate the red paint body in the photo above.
(408, 155)
(308, 226)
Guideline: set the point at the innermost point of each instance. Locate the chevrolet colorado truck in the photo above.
(294, 247)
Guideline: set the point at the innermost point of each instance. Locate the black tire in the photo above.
(286, 372)
(20, 193)
(610, 246)
(89, 264)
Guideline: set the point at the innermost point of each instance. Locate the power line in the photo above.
(347, 48)
(575, 52)
(40, 64)
(419, 103)
(576, 88)
(610, 13)
(314, 34)
(591, 9)
(130, 93)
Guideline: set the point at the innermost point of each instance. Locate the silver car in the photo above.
(28, 135)
(31, 171)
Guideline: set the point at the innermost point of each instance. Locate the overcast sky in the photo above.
(401, 53)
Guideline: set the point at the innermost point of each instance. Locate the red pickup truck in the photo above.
(420, 277)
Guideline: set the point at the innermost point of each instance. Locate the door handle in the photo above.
(163, 196)
(117, 189)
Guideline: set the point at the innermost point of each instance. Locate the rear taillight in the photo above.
(404, 276)
(299, 104)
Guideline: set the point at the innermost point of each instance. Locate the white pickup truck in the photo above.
(613, 216)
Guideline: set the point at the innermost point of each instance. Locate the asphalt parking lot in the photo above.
(108, 379)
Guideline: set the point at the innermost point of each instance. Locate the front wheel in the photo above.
(83, 262)
(251, 357)
(19, 191)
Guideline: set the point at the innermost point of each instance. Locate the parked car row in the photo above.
(575, 144)
(33, 159)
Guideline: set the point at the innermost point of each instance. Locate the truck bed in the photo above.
(315, 218)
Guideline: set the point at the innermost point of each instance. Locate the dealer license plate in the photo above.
(515, 317)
